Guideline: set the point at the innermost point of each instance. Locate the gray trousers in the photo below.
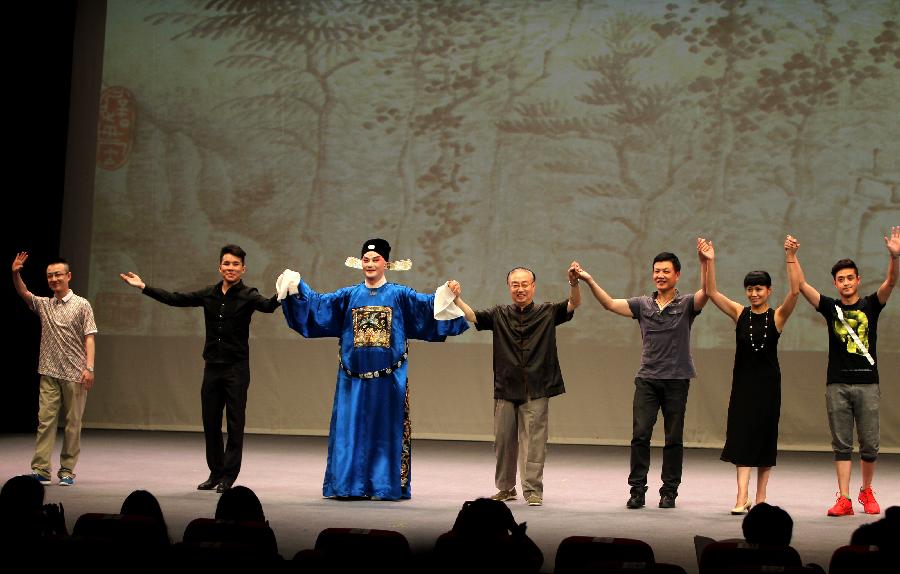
(520, 439)
(848, 404)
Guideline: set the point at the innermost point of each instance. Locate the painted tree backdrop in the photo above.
(479, 135)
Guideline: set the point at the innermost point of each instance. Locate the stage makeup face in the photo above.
(373, 266)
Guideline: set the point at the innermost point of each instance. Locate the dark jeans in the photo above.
(651, 395)
(224, 387)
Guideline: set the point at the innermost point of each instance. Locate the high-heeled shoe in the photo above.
(742, 508)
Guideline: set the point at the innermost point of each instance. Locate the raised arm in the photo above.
(893, 246)
(314, 314)
(21, 289)
(700, 297)
(808, 291)
(456, 289)
(708, 257)
(175, 299)
(795, 278)
(574, 291)
(618, 306)
(133, 279)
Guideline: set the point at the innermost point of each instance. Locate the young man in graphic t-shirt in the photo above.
(852, 392)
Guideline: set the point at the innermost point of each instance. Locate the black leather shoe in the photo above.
(208, 484)
(224, 485)
(636, 501)
(667, 501)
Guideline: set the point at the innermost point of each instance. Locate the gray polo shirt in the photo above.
(666, 335)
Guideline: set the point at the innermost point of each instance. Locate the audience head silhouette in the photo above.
(883, 533)
(239, 503)
(22, 492)
(767, 524)
(141, 503)
(21, 503)
(484, 517)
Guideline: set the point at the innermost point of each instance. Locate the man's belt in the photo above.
(374, 374)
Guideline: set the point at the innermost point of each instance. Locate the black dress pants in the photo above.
(224, 388)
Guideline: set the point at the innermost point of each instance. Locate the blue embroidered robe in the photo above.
(369, 439)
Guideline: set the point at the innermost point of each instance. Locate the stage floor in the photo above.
(585, 490)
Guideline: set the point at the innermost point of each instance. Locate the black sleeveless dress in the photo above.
(751, 438)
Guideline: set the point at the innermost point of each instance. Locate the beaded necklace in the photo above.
(765, 331)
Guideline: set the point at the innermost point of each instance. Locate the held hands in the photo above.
(573, 273)
(19, 261)
(791, 245)
(892, 242)
(705, 249)
(454, 287)
(132, 279)
(583, 275)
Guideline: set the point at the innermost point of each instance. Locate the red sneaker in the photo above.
(867, 499)
(843, 507)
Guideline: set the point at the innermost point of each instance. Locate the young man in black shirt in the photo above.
(228, 307)
(852, 393)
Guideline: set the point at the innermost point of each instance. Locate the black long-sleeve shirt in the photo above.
(227, 316)
(526, 365)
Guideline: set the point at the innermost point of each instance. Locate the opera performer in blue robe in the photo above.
(369, 453)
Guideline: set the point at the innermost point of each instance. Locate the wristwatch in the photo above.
(90, 369)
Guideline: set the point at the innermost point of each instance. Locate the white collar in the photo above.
(68, 296)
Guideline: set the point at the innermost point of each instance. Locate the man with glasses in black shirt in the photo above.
(526, 375)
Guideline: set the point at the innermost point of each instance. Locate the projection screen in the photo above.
(478, 136)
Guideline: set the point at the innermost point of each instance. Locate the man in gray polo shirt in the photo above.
(662, 382)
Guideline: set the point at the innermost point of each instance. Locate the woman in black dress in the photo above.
(751, 439)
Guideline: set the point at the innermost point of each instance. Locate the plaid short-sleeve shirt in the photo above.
(64, 325)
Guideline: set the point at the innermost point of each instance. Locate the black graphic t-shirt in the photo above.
(847, 362)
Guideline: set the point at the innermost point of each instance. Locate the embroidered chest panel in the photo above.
(372, 326)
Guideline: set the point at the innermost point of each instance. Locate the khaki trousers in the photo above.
(69, 396)
(520, 438)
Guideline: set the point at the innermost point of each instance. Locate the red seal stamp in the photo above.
(115, 127)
